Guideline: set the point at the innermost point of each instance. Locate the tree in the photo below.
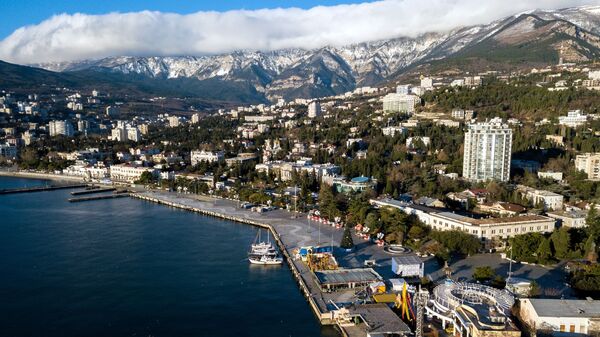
(561, 242)
(416, 233)
(544, 251)
(327, 203)
(484, 273)
(146, 178)
(347, 241)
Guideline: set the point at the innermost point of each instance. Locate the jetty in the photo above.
(40, 189)
(94, 190)
(99, 197)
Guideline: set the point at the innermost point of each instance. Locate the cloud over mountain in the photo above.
(68, 37)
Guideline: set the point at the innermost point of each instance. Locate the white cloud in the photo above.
(79, 36)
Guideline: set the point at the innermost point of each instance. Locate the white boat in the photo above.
(263, 252)
(265, 260)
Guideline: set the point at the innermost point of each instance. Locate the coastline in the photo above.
(39, 175)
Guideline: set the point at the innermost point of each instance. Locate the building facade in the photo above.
(590, 164)
(64, 128)
(487, 151)
(400, 103)
(561, 317)
(196, 157)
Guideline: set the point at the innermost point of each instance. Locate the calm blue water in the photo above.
(125, 267)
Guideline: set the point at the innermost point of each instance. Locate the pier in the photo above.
(94, 190)
(99, 197)
(40, 189)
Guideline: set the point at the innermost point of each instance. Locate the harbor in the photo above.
(291, 232)
(138, 268)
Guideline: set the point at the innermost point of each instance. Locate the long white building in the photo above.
(487, 151)
(400, 103)
(196, 157)
(128, 174)
(487, 229)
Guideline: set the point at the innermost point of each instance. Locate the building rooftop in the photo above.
(494, 221)
(407, 259)
(345, 276)
(546, 307)
(380, 319)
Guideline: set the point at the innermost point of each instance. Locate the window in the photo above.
(572, 328)
(562, 328)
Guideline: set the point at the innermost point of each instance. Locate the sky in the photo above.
(36, 31)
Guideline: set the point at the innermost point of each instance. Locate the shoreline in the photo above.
(39, 175)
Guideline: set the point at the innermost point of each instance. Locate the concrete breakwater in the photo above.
(324, 317)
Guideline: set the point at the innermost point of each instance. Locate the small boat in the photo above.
(265, 260)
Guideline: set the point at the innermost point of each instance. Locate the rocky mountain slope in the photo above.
(536, 37)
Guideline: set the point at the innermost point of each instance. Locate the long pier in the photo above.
(93, 191)
(324, 317)
(40, 189)
(99, 197)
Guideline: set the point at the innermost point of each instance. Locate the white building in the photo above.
(118, 134)
(173, 121)
(196, 118)
(487, 151)
(196, 157)
(590, 164)
(561, 317)
(550, 200)
(570, 217)
(128, 174)
(410, 141)
(427, 83)
(400, 103)
(64, 128)
(391, 131)
(408, 266)
(314, 109)
(133, 134)
(556, 176)
(483, 228)
(573, 119)
(594, 75)
(403, 89)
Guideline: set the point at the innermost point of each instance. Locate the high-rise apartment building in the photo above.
(487, 151)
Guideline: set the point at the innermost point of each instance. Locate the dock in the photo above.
(99, 197)
(40, 189)
(93, 191)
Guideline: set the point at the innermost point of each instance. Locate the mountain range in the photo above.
(525, 39)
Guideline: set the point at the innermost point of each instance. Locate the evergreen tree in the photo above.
(347, 241)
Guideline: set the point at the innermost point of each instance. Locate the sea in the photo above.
(126, 267)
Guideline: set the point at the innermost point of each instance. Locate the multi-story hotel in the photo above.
(487, 151)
